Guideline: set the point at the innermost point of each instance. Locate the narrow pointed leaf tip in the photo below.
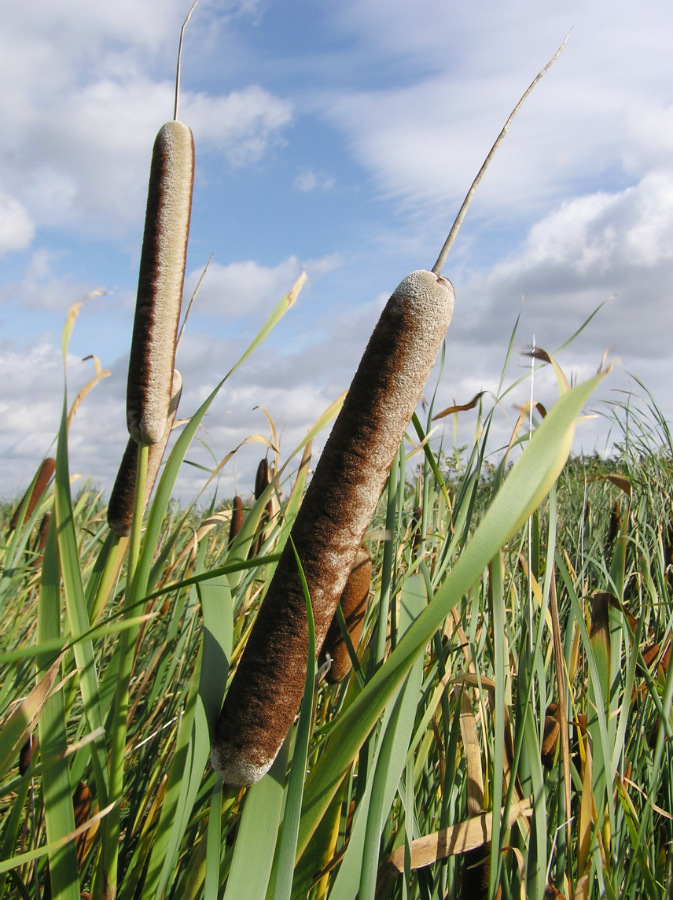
(160, 283)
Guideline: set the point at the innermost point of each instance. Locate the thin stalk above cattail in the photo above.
(160, 283)
(266, 690)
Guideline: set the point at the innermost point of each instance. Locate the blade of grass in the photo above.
(56, 786)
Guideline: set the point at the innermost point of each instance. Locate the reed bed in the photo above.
(498, 726)
(400, 790)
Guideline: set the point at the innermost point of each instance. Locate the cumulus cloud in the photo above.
(241, 288)
(604, 245)
(242, 124)
(16, 227)
(41, 287)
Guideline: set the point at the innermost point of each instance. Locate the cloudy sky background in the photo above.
(339, 139)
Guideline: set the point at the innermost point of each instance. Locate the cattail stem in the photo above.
(266, 690)
(455, 228)
(178, 67)
(126, 651)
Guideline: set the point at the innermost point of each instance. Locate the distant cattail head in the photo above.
(162, 270)
(354, 606)
(261, 478)
(120, 507)
(26, 754)
(35, 492)
(237, 513)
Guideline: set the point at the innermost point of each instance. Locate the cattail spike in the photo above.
(354, 606)
(160, 283)
(266, 690)
(120, 507)
(237, 513)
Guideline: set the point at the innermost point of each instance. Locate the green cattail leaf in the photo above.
(360, 862)
(521, 493)
(56, 786)
(257, 834)
(194, 736)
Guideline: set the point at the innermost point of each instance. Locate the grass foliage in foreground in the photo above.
(514, 658)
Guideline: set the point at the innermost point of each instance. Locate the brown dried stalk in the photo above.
(266, 690)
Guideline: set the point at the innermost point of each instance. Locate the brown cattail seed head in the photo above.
(120, 507)
(162, 271)
(266, 690)
(237, 513)
(44, 474)
(261, 478)
(26, 754)
(354, 606)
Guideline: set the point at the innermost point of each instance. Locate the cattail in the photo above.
(262, 481)
(162, 271)
(120, 507)
(35, 492)
(550, 736)
(261, 478)
(416, 528)
(615, 523)
(81, 801)
(237, 512)
(266, 690)
(353, 605)
(26, 754)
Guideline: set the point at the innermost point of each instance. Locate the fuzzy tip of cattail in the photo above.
(45, 472)
(268, 685)
(353, 605)
(120, 507)
(160, 283)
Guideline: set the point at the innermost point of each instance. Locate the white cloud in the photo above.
(41, 288)
(309, 180)
(598, 246)
(16, 227)
(242, 123)
(241, 288)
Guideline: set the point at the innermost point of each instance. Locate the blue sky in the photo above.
(339, 138)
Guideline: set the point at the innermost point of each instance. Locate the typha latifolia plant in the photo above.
(151, 387)
(264, 696)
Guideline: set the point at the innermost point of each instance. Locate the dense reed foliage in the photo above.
(514, 657)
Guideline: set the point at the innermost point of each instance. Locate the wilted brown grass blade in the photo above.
(461, 407)
(467, 835)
